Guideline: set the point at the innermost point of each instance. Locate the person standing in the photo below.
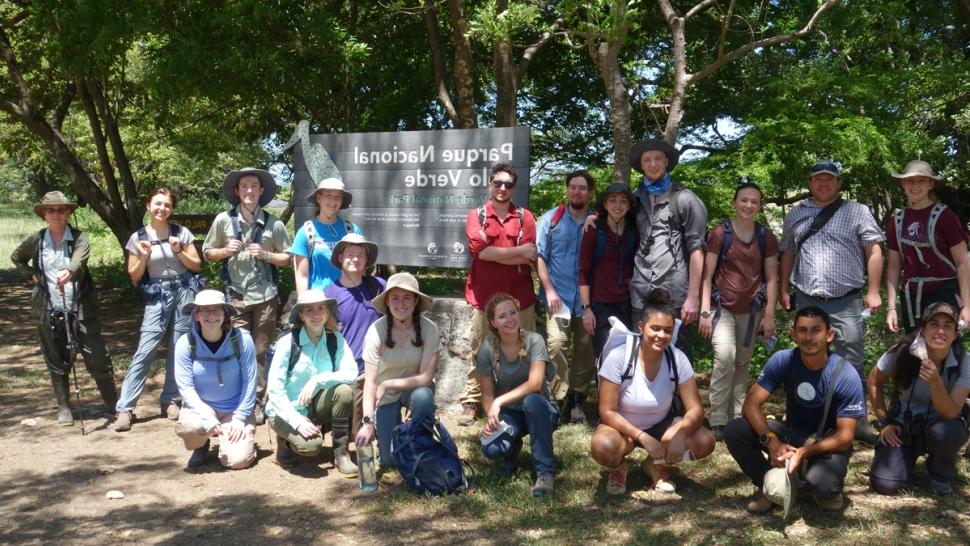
(738, 299)
(829, 246)
(672, 222)
(316, 240)
(55, 260)
(253, 243)
(502, 242)
(928, 244)
(558, 240)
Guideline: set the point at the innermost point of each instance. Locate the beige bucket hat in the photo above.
(405, 281)
(265, 179)
(53, 199)
(354, 239)
(310, 297)
(918, 167)
(780, 487)
(206, 298)
(331, 184)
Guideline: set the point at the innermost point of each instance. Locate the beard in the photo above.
(579, 205)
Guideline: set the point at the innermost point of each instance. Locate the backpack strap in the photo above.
(823, 217)
(935, 214)
(553, 222)
(829, 391)
(631, 361)
(295, 350)
(518, 214)
(898, 223)
(373, 287)
(726, 241)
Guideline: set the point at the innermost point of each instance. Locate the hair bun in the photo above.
(657, 297)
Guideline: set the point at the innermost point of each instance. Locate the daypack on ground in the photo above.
(427, 457)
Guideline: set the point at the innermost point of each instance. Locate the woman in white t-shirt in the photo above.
(637, 402)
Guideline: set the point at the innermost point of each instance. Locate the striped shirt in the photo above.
(831, 262)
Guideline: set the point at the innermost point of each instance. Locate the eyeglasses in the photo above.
(500, 184)
(57, 210)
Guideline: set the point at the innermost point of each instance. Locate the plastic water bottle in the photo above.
(769, 343)
(865, 314)
(367, 468)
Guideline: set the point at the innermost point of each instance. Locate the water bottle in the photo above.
(769, 344)
(865, 314)
(366, 468)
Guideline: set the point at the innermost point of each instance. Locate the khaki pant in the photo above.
(729, 378)
(479, 330)
(260, 320)
(233, 455)
(328, 404)
(577, 373)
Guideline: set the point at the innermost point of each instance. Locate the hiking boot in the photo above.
(545, 483)
(109, 392)
(616, 482)
(341, 438)
(64, 416)
(285, 457)
(469, 411)
(197, 459)
(123, 421)
(171, 411)
(577, 415)
(832, 504)
(258, 416)
(391, 477)
(940, 487)
(759, 504)
(718, 431)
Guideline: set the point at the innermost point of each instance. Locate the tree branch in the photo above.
(724, 29)
(117, 150)
(781, 201)
(110, 182)
(14, 69)
(67, 97)
(438, 57)
(701, 6)
(531, 50)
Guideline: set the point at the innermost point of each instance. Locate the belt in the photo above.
(852, 292)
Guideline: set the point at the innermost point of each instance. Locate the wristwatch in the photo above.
(766, 437)
(880, 424)
(707, 314)
(586, 306)
(367, 420)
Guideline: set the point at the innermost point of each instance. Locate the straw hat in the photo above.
(673, 156)
(918, 167)
(53, 199)
(780, 487)
(405, 281)
(354, 239)
(310, 297)
(265, 179)
(331, 184)
(209, 297)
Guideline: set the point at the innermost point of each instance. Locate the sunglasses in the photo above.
(506, 185)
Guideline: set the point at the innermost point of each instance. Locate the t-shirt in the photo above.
(404, 359)
(805, 390)
(739, 275)
(916, 398)
(355, 314)
(163, 263)
(915, 228)
(642, 402)
(325, 238)
(511, 375)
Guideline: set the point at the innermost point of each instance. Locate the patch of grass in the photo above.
(17, 378)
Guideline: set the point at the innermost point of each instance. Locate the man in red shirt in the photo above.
(501, 239)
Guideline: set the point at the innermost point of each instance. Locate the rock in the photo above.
(32, 422)
(114, 494)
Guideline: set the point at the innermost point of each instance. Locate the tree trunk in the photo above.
(463, 69)
(438, 59)
(506, 78)
(605, 55)
(681, 80)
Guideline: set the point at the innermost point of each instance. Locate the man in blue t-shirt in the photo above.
(818, 441)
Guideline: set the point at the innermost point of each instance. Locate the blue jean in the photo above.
(537, 418)
(420, 403)
(163, 319)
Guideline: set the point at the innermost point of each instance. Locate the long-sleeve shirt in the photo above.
(218, 380)
(313, 365)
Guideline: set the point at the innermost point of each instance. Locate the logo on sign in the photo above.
(432, 248)
(458, 248)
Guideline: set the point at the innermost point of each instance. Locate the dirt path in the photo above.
(53, 481)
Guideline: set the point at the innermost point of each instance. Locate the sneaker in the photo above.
(616, 482)
(171, 411)
(197, 459)
(577, 415)
(545, 483)
(759, 504)
(941, 487)
(832, 504)
(123, 421)
(391, 477)
(659, 479)
(469, 411)
(718, 431)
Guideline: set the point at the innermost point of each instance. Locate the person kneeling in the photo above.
(636, 403)
(309, 384)
(931, 380)
(215, 370)
(514, 367)
(823, 400)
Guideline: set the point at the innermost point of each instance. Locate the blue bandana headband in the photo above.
(659, 187)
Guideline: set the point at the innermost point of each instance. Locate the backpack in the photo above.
(296, 350)
(761, 235)
(628, 248)
(311, 235)
(427, 458)
(233, 339)
(935, 214)
(256, 237)
(619, 336)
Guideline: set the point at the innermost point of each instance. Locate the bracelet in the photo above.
(891, 309)
(179, 252)
(637, 439)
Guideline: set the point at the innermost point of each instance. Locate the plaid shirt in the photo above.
(832, 262)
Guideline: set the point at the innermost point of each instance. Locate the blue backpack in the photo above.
(427, 458)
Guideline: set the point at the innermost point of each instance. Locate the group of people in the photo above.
(623, 283)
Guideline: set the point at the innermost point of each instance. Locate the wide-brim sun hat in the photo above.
(780, 487)
(918, 167)
(332, 184)
(310, 297)
(405, 281)
(673, 156)
(354, 239)
(54, 199)
(232, 180)
(207, 298)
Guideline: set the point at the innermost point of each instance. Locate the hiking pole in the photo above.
(71, 355)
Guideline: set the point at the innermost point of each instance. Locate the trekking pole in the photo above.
(71, 354)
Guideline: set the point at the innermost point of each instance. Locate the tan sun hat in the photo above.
(310, 297)
(332, 184)
(780, 487)
(918, 167)
(265, 179)
(53, 199)
(354, 239)
(209, 297)
(404, 281)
